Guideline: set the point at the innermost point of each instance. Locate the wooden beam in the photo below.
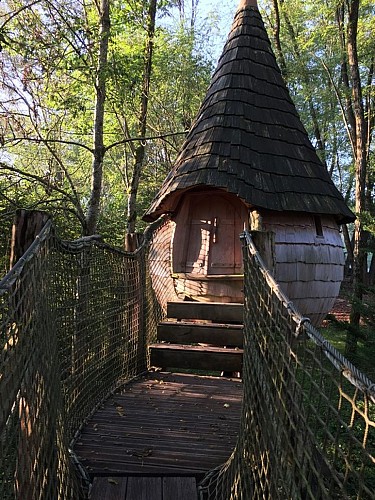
(27, 225)
(181, 488)
(265, 244)
(144, 487)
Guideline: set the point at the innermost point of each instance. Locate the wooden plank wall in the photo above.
(160, 264)
(309, 267)
(210, 288)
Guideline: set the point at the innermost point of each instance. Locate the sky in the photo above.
(225, 14)
(210, 14)
(222, 12)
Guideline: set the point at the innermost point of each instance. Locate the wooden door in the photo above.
(207, 235)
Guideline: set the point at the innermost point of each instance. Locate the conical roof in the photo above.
(248, 138)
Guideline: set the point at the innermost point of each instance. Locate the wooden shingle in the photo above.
(248, 138)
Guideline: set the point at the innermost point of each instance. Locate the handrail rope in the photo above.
(9, 279)
(342, 364)
(86, 241)
(72, 247)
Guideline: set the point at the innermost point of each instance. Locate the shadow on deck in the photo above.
(159, 434)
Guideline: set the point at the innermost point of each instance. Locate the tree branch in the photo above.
(338, 97)
(146, 138)
(42, 140)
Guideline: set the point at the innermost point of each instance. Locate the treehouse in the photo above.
(247, 162)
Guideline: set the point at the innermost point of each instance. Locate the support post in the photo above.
(263, 240)
(27, 225)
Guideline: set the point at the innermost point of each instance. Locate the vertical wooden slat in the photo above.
(144, 488)
(179, 488)
(104, 488)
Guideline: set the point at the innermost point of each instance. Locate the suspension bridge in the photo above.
(83, 413)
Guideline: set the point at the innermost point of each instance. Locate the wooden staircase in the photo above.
(204, 336)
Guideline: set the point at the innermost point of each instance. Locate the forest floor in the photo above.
(340, 310)
(335, 329)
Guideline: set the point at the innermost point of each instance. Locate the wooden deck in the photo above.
(144, 488)
(160, 433)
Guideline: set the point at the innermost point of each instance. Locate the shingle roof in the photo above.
(248, 138)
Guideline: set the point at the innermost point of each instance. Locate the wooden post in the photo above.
(263, 240)
(26, 226)
(142, 319)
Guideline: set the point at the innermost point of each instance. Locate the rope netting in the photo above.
(75, 322)
(308, 418)
(76, 319)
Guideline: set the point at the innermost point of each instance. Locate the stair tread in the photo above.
(220, 312)
(195, 324)
(200, 333)
(198, 348)
(207, 304)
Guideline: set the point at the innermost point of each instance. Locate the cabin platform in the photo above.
(161, 432)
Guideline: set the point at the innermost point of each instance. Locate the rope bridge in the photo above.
(75, 322)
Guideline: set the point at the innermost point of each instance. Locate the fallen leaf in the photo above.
(120, 411)
(146, 452)
(112, 481)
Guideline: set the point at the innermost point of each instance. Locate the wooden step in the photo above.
(215, 311)
(196, 357)
(218, 334)
(144, 487)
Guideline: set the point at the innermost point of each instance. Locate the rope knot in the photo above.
(301, 322)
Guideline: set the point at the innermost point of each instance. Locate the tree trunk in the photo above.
(360, 176)
(320, 144)
(349, 115)
(349, 248)
(99, 150)
(141, 148)
(371, 274)
(276, 37)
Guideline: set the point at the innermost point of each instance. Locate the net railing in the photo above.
(75, 322)
(308, 419)
(76, 319)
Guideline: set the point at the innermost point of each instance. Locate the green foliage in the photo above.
(336, 333)
(313, 38)
(47, 106)
(49, 52)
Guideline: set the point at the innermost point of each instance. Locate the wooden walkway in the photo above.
(160, 434)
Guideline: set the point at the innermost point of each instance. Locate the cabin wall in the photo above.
(309, 266)
(210, 288)
(160, 264)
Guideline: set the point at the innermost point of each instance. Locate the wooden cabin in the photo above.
(248, 153)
